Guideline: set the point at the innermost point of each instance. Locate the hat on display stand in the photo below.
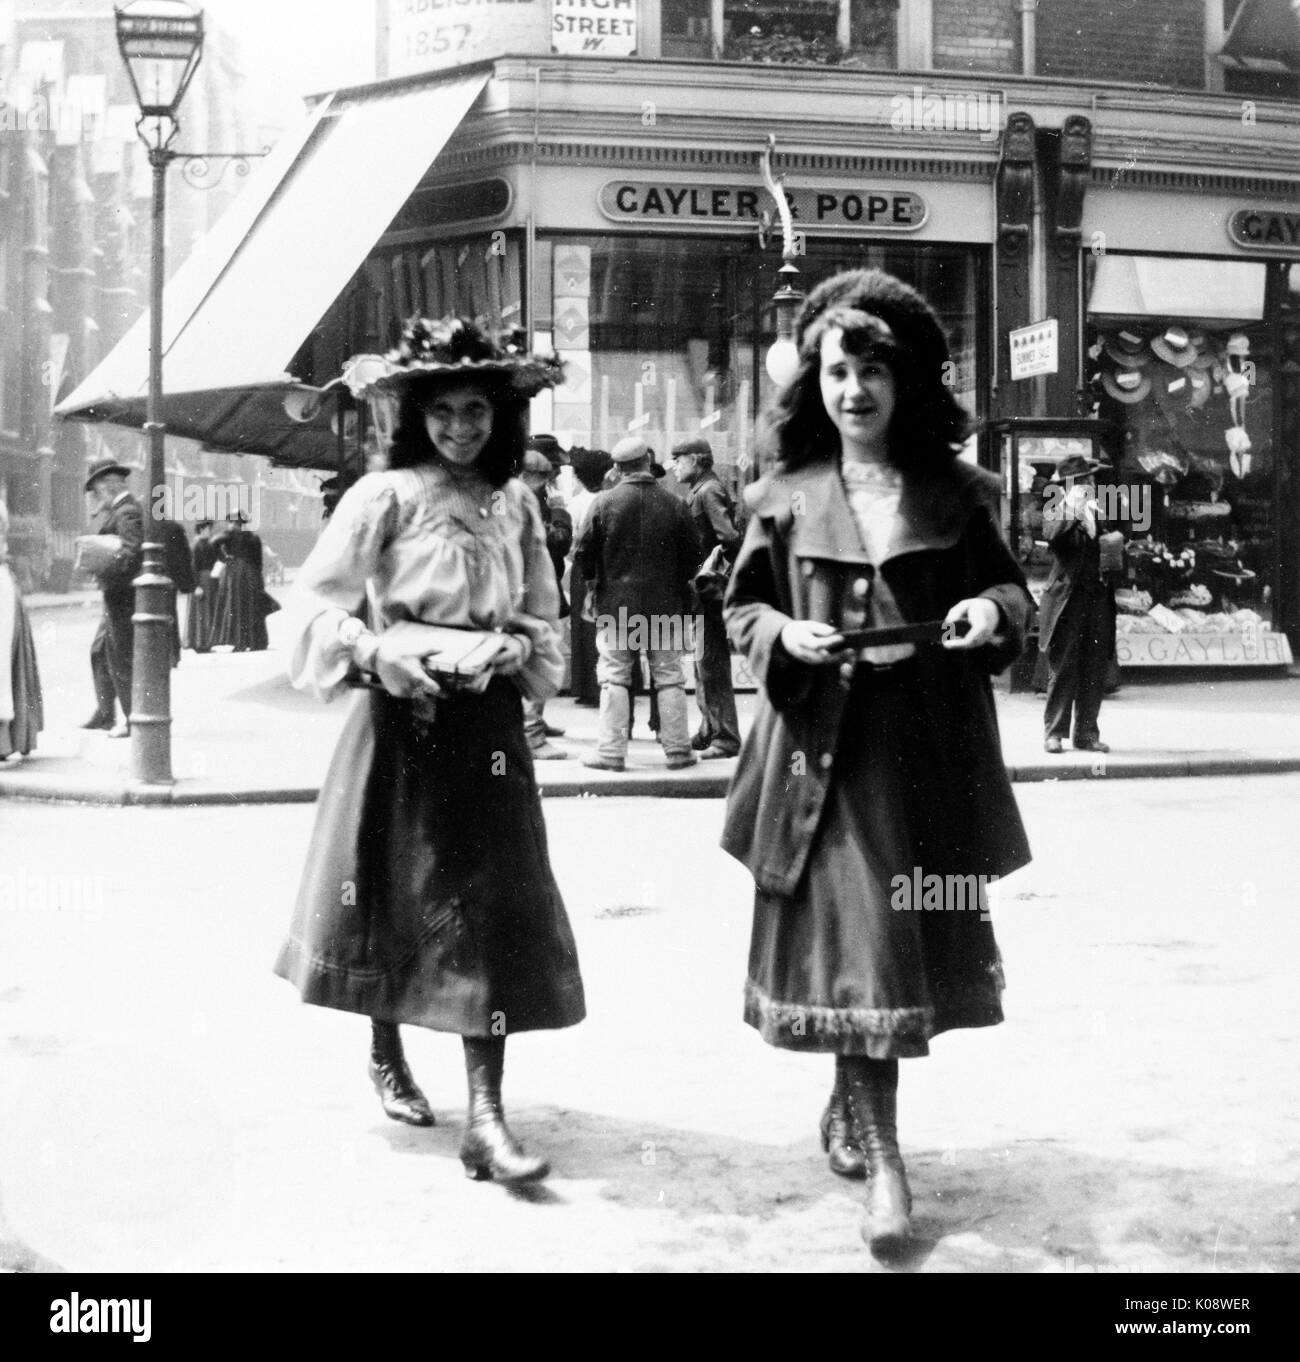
(1174, 346)
(1127, 349)
(1236, 383)
(1126, 385)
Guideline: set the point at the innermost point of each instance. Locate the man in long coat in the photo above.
(112, 648)
(1077, 612)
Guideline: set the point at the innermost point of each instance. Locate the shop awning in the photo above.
(240, 307)
(1156, 286)
(1265, 36)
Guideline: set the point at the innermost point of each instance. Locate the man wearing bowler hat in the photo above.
(1077, 612)
(110, 652)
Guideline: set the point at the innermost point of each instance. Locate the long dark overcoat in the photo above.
(896, 761)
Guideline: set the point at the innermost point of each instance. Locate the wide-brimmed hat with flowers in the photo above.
(454, 347)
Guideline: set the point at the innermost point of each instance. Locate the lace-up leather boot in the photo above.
(399, 1094)
(839, 1137)
(873, 1101)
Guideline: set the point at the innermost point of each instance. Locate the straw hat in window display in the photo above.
(1174, 346)
(1126, 385)
(1127, 349)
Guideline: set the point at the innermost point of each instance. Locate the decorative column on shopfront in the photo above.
(36, 328)
(72, 276)
(571, 313)
(1067, 177)
(1013, 256)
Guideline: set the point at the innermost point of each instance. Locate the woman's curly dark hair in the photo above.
(928, 424)
(502, 456)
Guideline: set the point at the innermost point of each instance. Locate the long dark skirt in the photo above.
(885, 941)
(428, 895)
(198, 625)
(582, 632)
(239, 617)
(19, 733)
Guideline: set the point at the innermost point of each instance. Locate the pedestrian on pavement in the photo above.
(711, 508)
(538, 475)
(589, 468)
(178, 563)
(198, 623)
(111, 651)
(243, 603)
(1076, 631)
(428, 896)
(869, 769)
(640, 550)
(21, 712)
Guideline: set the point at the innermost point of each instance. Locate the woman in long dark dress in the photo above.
(871, 789)
(22, 714)
(239, 617)
(428, 896)
(198, 627)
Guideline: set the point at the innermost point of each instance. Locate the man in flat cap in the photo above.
(712, 511)
(111, 650)
(639, 550)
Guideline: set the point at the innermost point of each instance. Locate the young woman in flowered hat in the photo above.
(428, 897)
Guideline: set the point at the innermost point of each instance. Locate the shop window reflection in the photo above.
(678, 329)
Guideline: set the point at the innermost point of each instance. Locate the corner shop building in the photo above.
(617, 209)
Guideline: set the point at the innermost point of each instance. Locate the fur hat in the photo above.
(905, 313)
(453, 347)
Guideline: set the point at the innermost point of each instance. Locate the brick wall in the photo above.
(1147, 42)
(976, 35)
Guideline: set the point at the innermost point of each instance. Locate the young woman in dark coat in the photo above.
(871, 789)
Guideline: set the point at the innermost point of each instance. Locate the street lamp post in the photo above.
(783, 356)
(161, 42)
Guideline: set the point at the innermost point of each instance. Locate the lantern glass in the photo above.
(161, 42)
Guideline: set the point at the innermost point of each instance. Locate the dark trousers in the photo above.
(111, 653)
(582, 636)
(1078, 657)
(714, 692)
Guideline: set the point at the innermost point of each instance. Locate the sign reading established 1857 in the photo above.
(720, 205)
(431, 35)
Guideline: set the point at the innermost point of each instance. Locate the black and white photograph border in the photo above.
(171, 1108)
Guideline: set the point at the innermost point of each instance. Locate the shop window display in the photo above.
(1194, 401)
(675, 331)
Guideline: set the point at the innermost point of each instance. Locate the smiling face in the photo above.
(458, 420)
(858, 393)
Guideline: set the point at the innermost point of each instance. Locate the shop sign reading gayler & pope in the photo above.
(722, 205)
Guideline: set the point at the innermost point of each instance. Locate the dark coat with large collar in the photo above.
(1075, 574)
(639, 549)
(802, 558)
